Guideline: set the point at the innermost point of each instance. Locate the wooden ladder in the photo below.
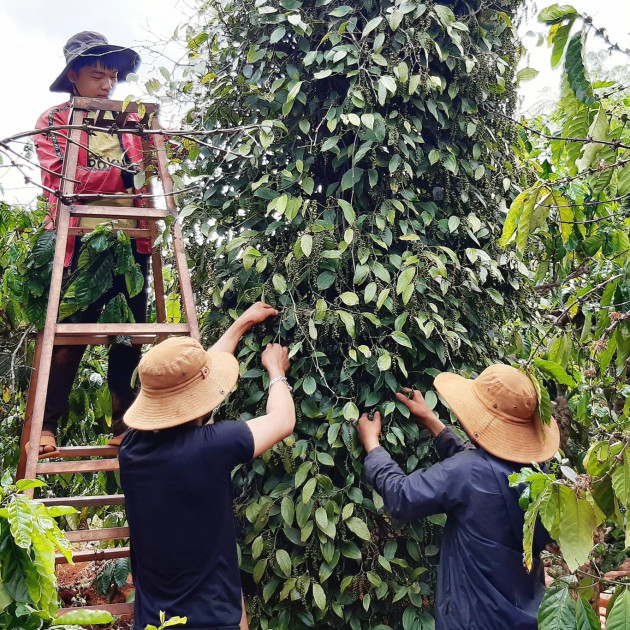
(86, 115)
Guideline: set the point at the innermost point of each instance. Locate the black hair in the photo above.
(109, 61)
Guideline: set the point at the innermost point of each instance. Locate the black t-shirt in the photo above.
(178, 489)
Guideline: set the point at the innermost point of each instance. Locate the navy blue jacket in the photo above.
(482, 583)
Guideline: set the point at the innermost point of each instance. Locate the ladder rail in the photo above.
(188, 301)
(52, 309)
(30, 404)
(156, 259)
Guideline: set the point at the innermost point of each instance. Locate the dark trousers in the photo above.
(122, 359)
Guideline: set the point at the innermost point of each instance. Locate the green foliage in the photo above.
(26, 253)
(83, 617)
(354, 179)
(17, 227)
(167, 623)
(29, 538)
(569, 226)
(570, 509)
(620, 611)
(557, 609)
(112, 576)
(564, 608)
(576, 72)
(26, 259)
(103, 254)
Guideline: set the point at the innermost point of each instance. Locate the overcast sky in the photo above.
(613, 15)
(33, 32)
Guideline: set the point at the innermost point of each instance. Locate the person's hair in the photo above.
(108, 61)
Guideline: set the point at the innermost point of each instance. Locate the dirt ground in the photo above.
(76, 585)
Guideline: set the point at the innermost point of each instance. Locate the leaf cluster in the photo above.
(569, 226)
(29, 538)
(355, 179)
(104, 253)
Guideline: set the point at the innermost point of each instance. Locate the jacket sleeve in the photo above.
(422, 493)
(447, 443)
(50, 149)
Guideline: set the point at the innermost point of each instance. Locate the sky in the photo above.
(613, 15)
(33, 32)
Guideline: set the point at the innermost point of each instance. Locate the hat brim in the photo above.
(131, 61)
(520, 442)
(152, 411)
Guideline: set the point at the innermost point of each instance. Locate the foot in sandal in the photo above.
(47, 445)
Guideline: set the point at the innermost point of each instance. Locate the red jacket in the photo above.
(51, 150)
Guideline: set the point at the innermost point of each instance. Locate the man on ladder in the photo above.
(106, 165)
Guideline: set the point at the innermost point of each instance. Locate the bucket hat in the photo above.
(180, 382)
(498, 410)
(91, 44)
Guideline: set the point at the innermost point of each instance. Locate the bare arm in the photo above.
(279, 419)
(255, 314)
(243, 625)
(447, 443)
(421, 412)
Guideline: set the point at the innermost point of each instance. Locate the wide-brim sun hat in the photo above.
(91, 44)
(498, 411)
(180, 382)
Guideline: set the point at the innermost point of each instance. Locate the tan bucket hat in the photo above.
(498, 410)
(180, 382)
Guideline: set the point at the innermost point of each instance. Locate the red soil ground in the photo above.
(77, 587)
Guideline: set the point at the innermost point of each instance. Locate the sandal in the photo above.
(47, 440)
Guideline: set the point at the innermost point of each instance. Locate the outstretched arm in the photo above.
(255, 314)
(422, 493)
(279, 419)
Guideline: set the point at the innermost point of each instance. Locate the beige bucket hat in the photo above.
(180, 382)
(498, 410)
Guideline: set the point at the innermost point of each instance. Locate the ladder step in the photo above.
(107, 533)
(89, 466)
(114, 609)
(94, 555)
(112, 212)
(132, 232)
(102, 340)
(68, 452)
(121, 329)
(83, 502)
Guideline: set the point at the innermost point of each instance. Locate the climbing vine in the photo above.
(355, 179)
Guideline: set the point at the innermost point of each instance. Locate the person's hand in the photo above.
(275, 359)
(369, 431)
(420, 410)
(256, 314)
(416, 404)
